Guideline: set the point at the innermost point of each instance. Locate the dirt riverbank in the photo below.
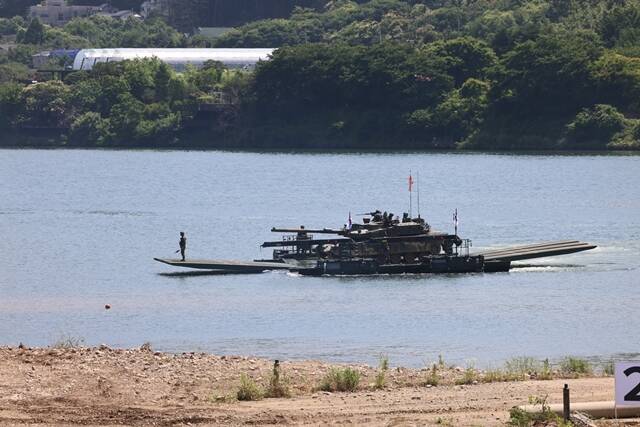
(102, 386)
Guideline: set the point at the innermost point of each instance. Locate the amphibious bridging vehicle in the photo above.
(381, 244)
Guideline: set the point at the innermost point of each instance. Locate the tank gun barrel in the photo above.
(307, 230)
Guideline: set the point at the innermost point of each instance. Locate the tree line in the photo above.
(476, 74)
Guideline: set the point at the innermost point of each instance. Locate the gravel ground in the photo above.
(103, 386)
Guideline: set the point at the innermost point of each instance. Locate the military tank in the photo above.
(381, 236)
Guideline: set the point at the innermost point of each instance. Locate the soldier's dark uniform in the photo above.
(183, 244)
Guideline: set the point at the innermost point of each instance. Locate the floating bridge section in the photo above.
(516, 253)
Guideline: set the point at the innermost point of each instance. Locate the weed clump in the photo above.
(572, 366)
(383, 367)
(608, 369)
(248, 390)
(432, 379)
(521, 367)
(515, 369)
(521, 418)
(346, 379)
(545, 372)
(68, 342)
(469, 377)
(278, 384)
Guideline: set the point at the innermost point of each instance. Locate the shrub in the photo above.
(545, 372)
(495, 375)
(575, 366)
(89, 129)
(628, 139)
(383, 367)
(248, 389)
(521, 418)
(432, 378)
(608, 369)
(594, 127)
(346, 379)
(470, 375)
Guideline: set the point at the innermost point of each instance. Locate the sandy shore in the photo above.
(102, 386)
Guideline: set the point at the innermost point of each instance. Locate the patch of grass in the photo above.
(469, 377)
(68, 341)
(494, 376)
(383, 367)
(346, 379)
(545, 371)
(248, 390)
(444, 422)
(608, 369)
(521, 367)
(521, 418)
(433, 379)
(515, 369)
(278, 383)
(575, 366)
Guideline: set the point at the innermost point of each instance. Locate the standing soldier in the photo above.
(183, 244)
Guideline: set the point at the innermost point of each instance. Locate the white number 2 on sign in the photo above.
(627, 383)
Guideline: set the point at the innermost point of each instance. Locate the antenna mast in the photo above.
(410, 194)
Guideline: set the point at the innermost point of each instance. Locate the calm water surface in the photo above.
(80, 228)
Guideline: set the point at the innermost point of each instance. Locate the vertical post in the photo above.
(418, 179)
(566, 402)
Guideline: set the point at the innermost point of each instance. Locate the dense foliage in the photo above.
(483, 74)
(140, 102)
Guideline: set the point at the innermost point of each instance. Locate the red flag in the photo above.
(410, 182)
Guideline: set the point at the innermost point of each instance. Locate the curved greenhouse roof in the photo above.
(177, 58)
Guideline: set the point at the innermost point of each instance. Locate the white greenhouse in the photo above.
(177, 58)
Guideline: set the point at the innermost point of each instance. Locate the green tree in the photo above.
(11, 104)
(13, 72)
(125, 116)
(45, 105)
(465, 57)
(550, 75)
(594, 128)
(22, 54)
(34, 33)
(89, 129)
(617, 78)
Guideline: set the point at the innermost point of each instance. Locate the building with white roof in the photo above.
(177, 58)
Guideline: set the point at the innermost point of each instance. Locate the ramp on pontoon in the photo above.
(539, 250)
(231, 266)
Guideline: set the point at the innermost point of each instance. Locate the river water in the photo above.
(80, 228)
